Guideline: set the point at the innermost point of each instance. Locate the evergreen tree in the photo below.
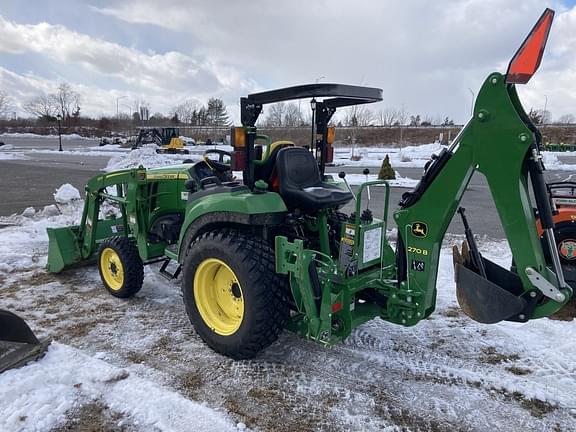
(216, 114)
(386, 172)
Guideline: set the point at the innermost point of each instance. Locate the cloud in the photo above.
(172, 75)
(423, 54)
(554, 84)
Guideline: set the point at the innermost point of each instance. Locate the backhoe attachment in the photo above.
(502, 143)
(18, 344)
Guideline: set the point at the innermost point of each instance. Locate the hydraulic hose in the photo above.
(536, 170)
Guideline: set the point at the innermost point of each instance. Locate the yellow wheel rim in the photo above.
(112, 269)
(218, 296)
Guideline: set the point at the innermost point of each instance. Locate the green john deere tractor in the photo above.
(275, 251)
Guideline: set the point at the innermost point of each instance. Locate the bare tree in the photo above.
(275, 115)
(402, 116)
(67, 100)
(5, 103)
(539, 116)
(358, 116)
(142, 110)
(567, 119)
(185, 110)
(388, 116)
(428, 121)
(43, 106)
(292, 116)
(447, 122)
(415, 120)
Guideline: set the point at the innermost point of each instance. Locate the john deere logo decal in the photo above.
(419, 229)
(567, 249)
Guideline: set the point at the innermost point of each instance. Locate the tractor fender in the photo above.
(217, 210)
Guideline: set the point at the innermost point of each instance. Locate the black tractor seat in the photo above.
(267, 170)
(301, 186)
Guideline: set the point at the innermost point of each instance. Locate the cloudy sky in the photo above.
(426, 55)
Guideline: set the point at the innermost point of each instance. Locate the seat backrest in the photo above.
(297, 169)
(264, 171)
(276, 145)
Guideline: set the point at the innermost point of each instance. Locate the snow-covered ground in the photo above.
(417, 156)
(37, 136)
(7, 153)
(137, 364)
(407, 157)
(412, 156)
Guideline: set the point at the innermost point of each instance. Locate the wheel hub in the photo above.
(112, 269)
(218, 296)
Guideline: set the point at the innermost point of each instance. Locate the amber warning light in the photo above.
(527, 59)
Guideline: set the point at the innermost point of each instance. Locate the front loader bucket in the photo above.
(63, 248)
(18, 344)
(489, 299)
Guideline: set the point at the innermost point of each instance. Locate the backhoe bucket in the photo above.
(63, 248)
(18, 344)
(489, 299)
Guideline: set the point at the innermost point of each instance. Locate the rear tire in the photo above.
(120, 266)
(233, 296)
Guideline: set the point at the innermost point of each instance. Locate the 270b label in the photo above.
(417, 251)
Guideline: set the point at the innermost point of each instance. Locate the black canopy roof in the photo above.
(334, 96)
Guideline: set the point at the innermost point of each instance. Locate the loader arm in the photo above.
(75, 244)
(499, 143)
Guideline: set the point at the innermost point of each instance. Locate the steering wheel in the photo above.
(221, 155)
(221, 169)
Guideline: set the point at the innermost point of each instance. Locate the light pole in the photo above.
(59, 118)
(313, 106)
(472, 103)
(319, 78)
(117, 99)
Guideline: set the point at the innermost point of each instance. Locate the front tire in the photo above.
(233, 296)
(120, 266)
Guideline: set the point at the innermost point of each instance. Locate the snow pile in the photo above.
(24, 244)
(29, 212)
(407, 157)
(147, 157)
(66, 193)
(39, 395)
(358, 179)
(551, 162)
(109, 148)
